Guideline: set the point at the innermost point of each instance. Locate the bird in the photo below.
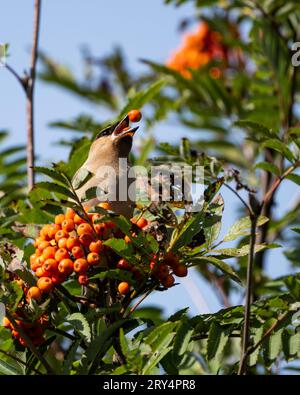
(109, 146)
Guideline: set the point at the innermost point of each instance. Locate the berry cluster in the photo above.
(34, 330)
(71, 245)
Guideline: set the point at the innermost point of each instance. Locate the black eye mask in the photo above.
(110, 129)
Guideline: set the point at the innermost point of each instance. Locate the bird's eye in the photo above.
(105, 132)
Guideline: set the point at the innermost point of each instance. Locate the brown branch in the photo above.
(30, 95)
(246, 327)
(22, 80)
(30, 345)
(277, 182)
(20, 361)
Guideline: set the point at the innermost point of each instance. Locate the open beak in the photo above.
(122, 129)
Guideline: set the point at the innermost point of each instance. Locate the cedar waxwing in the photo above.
(110, 145)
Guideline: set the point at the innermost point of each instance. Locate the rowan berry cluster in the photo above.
(34, 330)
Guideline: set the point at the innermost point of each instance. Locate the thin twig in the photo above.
(30, 94)
(29, 343)
(278, 181)
(20, 361)
(139, 302)
(246, 327)
(240, 198)
(21, 80)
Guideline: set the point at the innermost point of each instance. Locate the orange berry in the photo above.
(70, 214)
(37, 241)
(127, 239)
(61, 234)
(135, 115)
(171, 259)
(86, 239)
(45, 284)
(32, 258)
(49, 252)
(6, 323)
(142, 222)
(44, 232)
(77, 252)
(78, 220)
(153, 265)
(83, 279)
(123, 288)
(72, 242)
(62, 243)
(34, 293)
(59, 219)
(58, 279)
(43, 244)
(15, 334)
(61, 253)
(66, 267)
(68, 225)
(96, 217)
(180, 271)
(40, 272)
(50, 265)
(168, 281)
(123, 264)
(96, 246)
(93, 258)
(53, 229)
(84, 228)
(162, 271)
(81, 265)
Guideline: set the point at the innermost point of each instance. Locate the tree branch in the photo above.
(30, 95)
(246, 327)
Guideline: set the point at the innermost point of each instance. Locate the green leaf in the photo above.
(269, 167)
(217, 340)
(70, 358)
(52, 187)
(254, 128)
(192, 227)
(242, 228)
(224, 267)
(81, 178)
(143, 97)
(81, 325)
(7, 368)
(89, 194)
(258, 333)
(122, 248)
(294, 177)
(115, 274)
(182, 340)
(50, 173)
(279, 146)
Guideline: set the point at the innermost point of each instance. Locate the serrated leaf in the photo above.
(242, 227)
(224, 267)
(52, 187)
(254, 128)
(258, 333)
(217, 340)
(182, 340)
(70, 358)
(50, 173)
(7, 368)
(279, 146)
(81, 325)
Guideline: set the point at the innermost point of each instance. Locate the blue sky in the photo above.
(144, 29)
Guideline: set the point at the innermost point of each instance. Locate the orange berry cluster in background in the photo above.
(70, 245)
(34, 330)
(197, 50)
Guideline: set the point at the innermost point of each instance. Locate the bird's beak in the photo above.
(123, 129)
